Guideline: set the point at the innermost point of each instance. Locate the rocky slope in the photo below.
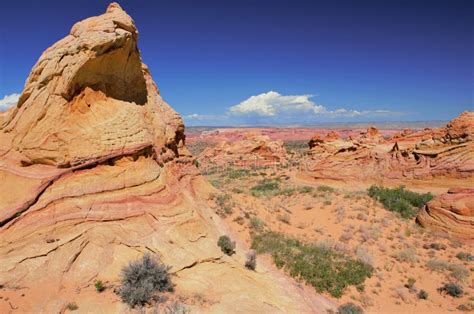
(94, 173)
(410, 156)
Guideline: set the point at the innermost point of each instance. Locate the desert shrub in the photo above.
(465, 256)
(216, 183)
(226, 244)
(346, 236)
(435, 246)
(399, 200)
(99, 286)
(457, 271)
(237, 173)
(452, 289)
(437, 264)
(325, 188)
(266, 187)
(142, 278)
(364, 255)
(349, 308)
(256, 223)
(224, 203)
(423, 295)
(410, 283)
(173, 308)
(466, 307)
(287, 191)
(251, 262)
(320, 266)
(406, 255)
(72, 306)
(305, 189)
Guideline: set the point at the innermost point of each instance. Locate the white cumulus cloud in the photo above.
(272, 103)
(8, 101)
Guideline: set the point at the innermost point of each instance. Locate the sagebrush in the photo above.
(142, 279)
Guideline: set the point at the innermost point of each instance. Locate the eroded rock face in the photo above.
(254, 149)
(94, 173)
(452, 213)
(446, 152)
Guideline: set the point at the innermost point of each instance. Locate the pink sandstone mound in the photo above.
(444, 153)
(94, 173)
(253, 149)
(452, 213)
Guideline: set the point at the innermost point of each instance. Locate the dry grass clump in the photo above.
(406, 255)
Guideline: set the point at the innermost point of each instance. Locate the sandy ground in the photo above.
(348, 220)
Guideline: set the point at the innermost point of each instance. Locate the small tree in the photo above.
(251, 262)
(226, 244)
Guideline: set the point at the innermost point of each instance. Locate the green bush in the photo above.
(399, 200)
(256, 223)
(321, 267)
(99, 286)
(226, 244)
(349, 308)
(452, 289)
(465, 256)
(143, 278)
(224, 204)
(266, 187)
(325, 188)
(237, 173)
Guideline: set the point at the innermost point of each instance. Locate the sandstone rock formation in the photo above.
(254, 149)
(444, 153)
(452, 213)
(94, 173)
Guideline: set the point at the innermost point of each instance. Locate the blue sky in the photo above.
(276, 62)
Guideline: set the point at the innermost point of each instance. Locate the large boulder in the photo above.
(452, 213)
(94, 173)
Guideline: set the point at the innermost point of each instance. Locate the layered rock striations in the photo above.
(446, 152)
(94, 173)
(452, 213)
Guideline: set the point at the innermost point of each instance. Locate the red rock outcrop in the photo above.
(94, 173)
(446, 152)
(452, 213)
(253, 150)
